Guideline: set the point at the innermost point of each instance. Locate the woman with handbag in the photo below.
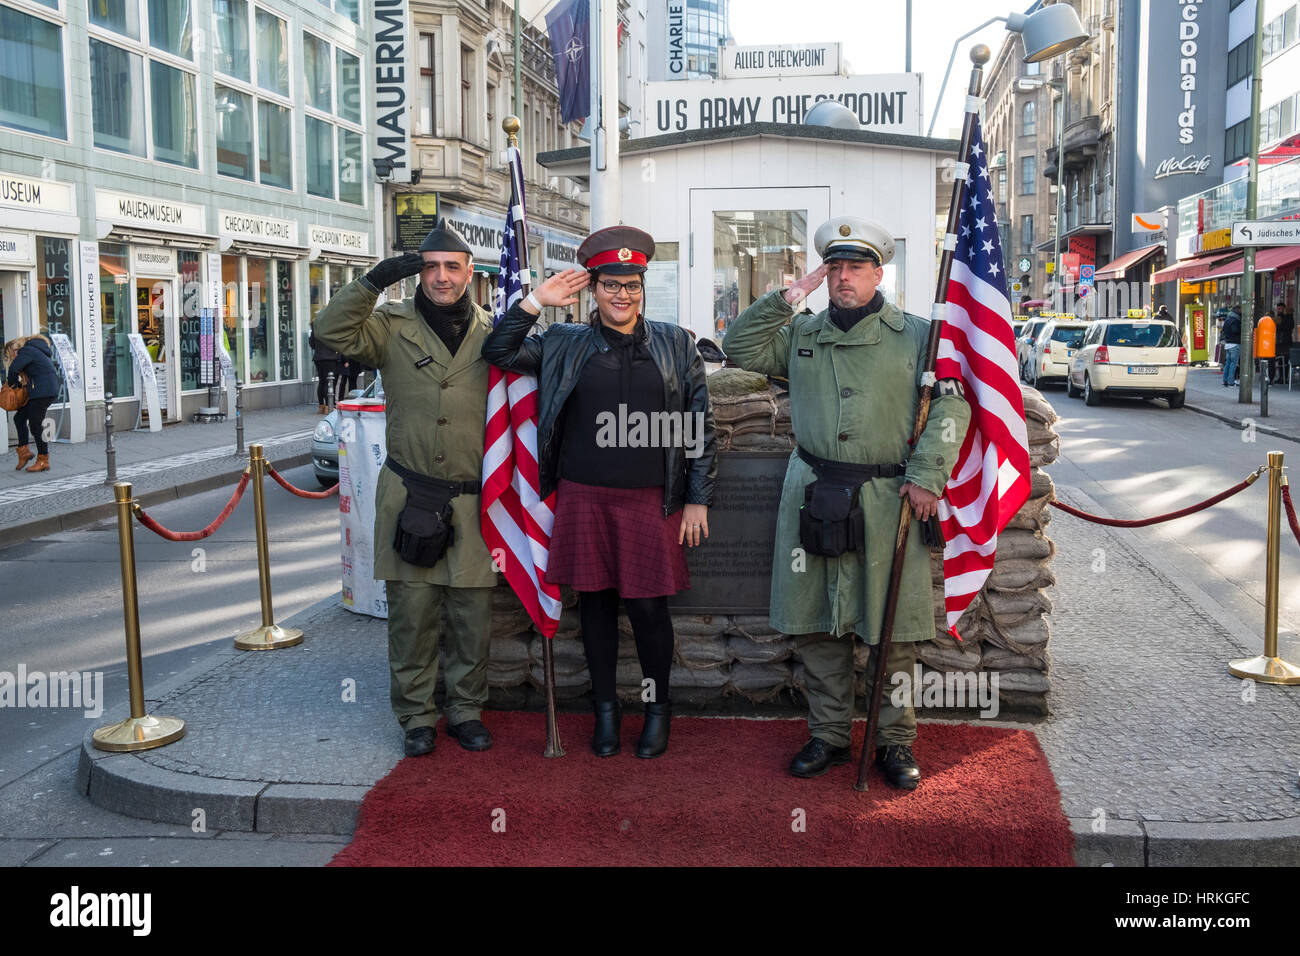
(32, 358)
(625, 503)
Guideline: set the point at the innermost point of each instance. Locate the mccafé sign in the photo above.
(1217, 239)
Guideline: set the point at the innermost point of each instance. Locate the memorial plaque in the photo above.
(417, 215)
(731, 572)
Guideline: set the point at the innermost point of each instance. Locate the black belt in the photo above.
(455, 487)
(848, 469)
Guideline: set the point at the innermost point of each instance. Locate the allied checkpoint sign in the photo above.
(883, 103)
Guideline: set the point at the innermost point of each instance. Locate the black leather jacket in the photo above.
(557, 358)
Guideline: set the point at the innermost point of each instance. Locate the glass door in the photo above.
(158, 324)
(746, 243)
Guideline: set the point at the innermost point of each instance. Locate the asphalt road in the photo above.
(64, 613)
(1140, 458)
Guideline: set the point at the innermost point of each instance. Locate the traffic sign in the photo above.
(1051, 267)
(1266, 232)
(1085, 274)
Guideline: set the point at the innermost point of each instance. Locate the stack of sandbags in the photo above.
(571, 679)
(748, 413)
(760, 659)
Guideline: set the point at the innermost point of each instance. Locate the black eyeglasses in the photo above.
(613, 287)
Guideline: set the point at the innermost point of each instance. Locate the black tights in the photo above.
(652, 627)
(32, 415)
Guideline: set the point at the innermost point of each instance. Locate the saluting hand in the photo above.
(801, 288)
(560, 289)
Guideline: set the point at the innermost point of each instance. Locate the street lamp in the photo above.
(1044, 33)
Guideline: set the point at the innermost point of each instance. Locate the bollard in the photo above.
(1267, 366)
(1269, 668)
(239, 418)
(270, 635)
(110, 452)
(140, 731)
(329, 391)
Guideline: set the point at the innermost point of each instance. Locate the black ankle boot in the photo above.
(609, 720)
(654, 734)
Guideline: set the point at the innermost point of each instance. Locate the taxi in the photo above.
(1134, 356)
(1052, 351)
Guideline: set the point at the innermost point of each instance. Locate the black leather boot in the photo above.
(816, 757)
(609, 721)
(654, 733)
(899, 765)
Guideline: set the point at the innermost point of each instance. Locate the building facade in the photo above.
(683, 37)
(163, 157)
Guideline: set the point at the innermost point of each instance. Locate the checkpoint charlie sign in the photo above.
(782, 59)
(883, 103)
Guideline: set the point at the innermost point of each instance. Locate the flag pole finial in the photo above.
(511, 125)
(980, 54)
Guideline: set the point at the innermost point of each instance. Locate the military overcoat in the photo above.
(853, 397)
(436, 412)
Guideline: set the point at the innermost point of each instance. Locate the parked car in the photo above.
(1025, 344)
(1135, 357)
(1049, 359)
(325, 442)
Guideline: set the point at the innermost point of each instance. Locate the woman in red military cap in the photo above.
(625, 439)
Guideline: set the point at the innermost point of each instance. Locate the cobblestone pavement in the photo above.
(1147, 724)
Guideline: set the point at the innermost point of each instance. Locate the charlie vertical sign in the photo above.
(393, 47)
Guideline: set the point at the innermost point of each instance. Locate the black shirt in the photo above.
(603, 444)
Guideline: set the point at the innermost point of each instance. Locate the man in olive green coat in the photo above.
(427, 348)
(855, 372)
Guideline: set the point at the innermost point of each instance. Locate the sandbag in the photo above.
(1023, 681)
(1017, 574)
(948, 658)
(696, 652)
(1000, 659)
(746, 651)
(734, 382)
(756, 627)
(701, 625)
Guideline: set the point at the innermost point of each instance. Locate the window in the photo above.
(116, 311)
(1033, 69)
(272, 53)
(54, 288)
(157, 119)
(1279, 33)
(1241, 61)
(348, 8)
(32, 97)
(426, 94)
(1027, 234)
(230, 53)
(1027, 175)
(334, 150)
(1028, 121)
(254, 114)
(1236, 141)
(466, 76)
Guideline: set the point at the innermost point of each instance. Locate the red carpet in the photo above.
(721, 795)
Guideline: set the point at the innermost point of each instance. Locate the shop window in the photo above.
(116, 308)
(232, 315)
(230, 55)
(54, 288)
(258, 321)
(190, 314)
(284, 323)
(32, 97)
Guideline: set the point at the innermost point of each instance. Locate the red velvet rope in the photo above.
(332, 489)
(1143, 522)
(162, 532)
(1290, 512)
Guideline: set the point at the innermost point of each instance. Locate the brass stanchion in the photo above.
(140, 731)
(270, 635)
(1269, 668)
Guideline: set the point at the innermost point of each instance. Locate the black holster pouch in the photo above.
(831, 521)
(424, 531)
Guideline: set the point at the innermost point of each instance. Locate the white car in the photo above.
(1135, 357)
(1053, 349)
(1025, 344)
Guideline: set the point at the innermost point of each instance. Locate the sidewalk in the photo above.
(184, 458)
(1206, 395)
(1162, 758)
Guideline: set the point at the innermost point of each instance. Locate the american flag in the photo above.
(516, 523)
(990, 480)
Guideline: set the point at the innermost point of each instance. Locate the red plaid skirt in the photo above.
(616, 538)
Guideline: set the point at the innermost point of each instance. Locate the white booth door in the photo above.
(748, 242)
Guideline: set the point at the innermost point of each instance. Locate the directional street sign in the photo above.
(1266, 232)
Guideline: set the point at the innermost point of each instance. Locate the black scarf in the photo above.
(845, 319)
(448, 322)
(628, 347)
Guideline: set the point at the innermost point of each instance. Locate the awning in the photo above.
(1188, 270)
(112, 232)
(1272, 259)
(1116, 268)
(265, 250)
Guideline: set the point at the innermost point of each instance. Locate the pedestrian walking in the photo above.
(626, 501)
(1231, 336)
(854, 371)
(429, 550)
(33, 357)
(326, 361)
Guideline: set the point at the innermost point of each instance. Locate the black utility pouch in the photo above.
(424, 531)
(831, 521)
(932, 533)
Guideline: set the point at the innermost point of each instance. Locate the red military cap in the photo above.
(618, 250)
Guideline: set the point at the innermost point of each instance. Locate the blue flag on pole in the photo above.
(569, 28)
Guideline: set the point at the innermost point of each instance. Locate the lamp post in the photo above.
(1246, 357)
(1064, 86)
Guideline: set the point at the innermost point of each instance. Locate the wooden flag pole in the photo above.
(979, 55)
(553, 746)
